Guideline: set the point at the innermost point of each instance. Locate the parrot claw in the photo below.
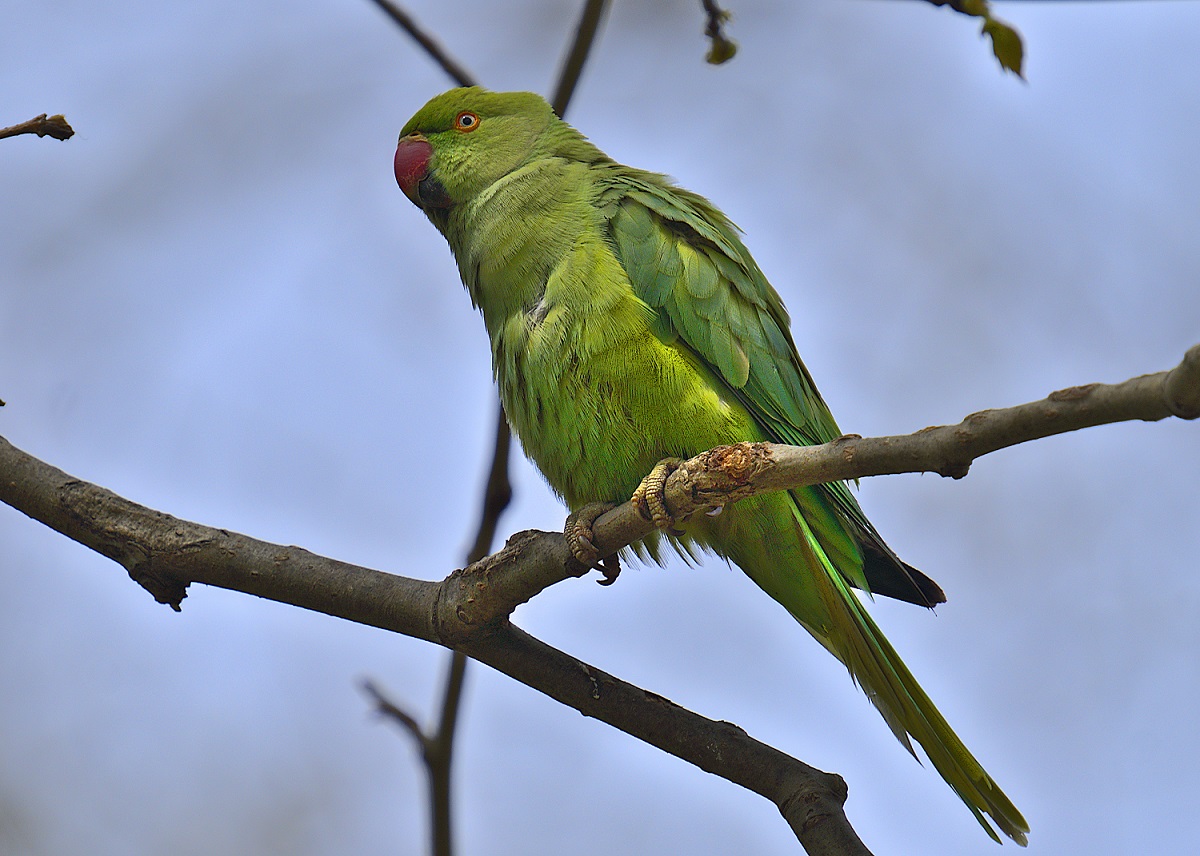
(578, 533)
(649, 497)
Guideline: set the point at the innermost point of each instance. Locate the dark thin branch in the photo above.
(572, 67)
(406, 21)
(727, 474)
(397, 714)
(721, 49)
(437, 748)
(810, 800)
(44, 126)
(438, 755)
(497, 493)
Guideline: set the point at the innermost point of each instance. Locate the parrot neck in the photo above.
(509, 238)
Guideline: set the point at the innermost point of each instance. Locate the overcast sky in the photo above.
(214, 300)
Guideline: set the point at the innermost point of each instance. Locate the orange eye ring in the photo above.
(466, 121)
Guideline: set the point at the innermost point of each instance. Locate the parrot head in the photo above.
(464, 140)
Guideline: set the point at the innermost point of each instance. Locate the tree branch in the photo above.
(468, 611)
(409, 24)
(397, 714)
(437, 748)
(165, 554)
(572, 67)
(532, 561)
(44, 126)
(721, 48)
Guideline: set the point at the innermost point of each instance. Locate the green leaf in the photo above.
(1006, 41)
(1006, 44)
(722, 50)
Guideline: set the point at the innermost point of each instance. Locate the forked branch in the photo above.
(468, 611)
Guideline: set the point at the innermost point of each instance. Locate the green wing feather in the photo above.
(685, 260)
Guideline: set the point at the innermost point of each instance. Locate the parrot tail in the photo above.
(853, 637)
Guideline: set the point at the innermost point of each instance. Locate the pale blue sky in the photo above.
(215, 301)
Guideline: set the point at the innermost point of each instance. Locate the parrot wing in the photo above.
(686, 261)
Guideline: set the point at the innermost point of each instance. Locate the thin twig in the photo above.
(44, 126)
(721, 49)
(450, 65)
(439, 754)
(438, 747)
(572, 67)
(397, 714)
(497, 494)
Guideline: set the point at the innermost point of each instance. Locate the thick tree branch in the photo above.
(468, 611)
(165, 554)
(532, 561)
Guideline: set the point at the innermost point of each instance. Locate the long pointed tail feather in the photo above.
(853, 637)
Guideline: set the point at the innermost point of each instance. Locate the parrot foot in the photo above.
(578, 533)
(649, 496)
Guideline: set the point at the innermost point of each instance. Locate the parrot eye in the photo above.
(466, 121)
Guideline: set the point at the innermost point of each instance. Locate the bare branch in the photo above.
(437, 748)
(44, 126)
(497, 494)
(397, 714)
(409, 24)
(1181, 387)
(810, 800)
(165, 554)
(585, 37)
(721, 49)
(531, 561)
(468, 610)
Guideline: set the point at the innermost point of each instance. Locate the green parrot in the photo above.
(629, 325)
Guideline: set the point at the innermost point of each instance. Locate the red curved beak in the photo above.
(412, 164)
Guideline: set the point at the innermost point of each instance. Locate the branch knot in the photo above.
(1181, 390)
